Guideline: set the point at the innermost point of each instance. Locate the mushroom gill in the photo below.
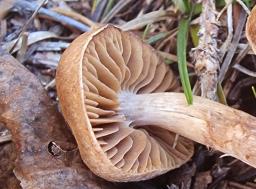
(97, 74)
(111, 89)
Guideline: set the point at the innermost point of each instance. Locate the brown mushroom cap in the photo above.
(251, 29)
(99, 70)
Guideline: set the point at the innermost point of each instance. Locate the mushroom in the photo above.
(251, 30)
(111, 88)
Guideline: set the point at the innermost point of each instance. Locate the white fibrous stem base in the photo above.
(210, 123)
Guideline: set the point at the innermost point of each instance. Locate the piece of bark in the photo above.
(46, 152)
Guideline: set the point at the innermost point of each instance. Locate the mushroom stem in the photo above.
(207, 122)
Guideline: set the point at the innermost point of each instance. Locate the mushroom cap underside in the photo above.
(98, 70)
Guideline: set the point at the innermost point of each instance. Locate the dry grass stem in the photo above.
(244, 6)
(145, 19)
(51, 84)
(206, 54)
(224, 48)
(119, 5)
(233, 46)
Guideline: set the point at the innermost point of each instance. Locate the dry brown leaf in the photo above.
(46, 152)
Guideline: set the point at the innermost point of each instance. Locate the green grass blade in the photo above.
(182, 59)
(221, 95)
(157, 37)
(182, 5)
(248, 3)
(254, 91)
(108, 7)
(145, 32)
(194, 34)
(94, 5)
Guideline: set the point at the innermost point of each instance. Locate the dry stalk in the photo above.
(206, 54)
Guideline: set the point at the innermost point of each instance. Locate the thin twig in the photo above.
(26, 5)
(206, 54)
